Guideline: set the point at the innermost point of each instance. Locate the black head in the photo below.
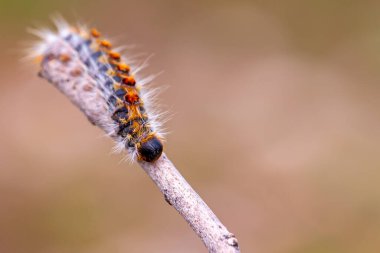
(150, 150)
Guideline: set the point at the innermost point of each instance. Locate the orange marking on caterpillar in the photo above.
(105, 43)
(95, 33)
(132, 98)
(123, 67)
(134, 112)
(129, 80)
(114, 55)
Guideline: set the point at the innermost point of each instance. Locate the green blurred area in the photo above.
(276, 124)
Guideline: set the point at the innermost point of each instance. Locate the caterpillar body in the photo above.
(132, 124)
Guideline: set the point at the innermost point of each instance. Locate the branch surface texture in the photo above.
(71, 77)
(191, 207)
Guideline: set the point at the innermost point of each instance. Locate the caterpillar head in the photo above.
(149, 150)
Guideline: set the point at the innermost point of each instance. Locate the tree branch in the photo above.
(71, 78)
(190, 206)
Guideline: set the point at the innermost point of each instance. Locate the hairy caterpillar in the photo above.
(88, 61)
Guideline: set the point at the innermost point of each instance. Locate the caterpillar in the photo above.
(87, 52)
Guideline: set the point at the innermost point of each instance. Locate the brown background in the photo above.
(275, 123)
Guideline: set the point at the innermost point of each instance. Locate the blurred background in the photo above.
(276, 125)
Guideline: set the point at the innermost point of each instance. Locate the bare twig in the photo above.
(71, 78)
(186, 201)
